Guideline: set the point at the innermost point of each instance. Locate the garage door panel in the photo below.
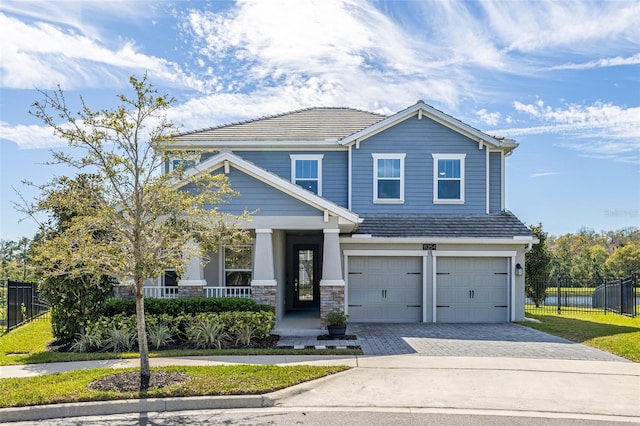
(472, 289)
(385, 289)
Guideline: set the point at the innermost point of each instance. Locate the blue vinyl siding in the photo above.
(269, 201)
(495, 182)
(334, 169)
(418, 139)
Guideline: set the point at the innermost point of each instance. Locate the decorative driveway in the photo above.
(472, 340)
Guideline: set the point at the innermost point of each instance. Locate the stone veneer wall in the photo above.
(331, 297)
(190, 291)
(264, 295)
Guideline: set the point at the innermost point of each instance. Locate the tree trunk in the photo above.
(143, 346)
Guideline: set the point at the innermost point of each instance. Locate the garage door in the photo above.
(385, 289)
(472, 289)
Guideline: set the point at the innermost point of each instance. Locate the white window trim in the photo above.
(223, 263)
(437, 157)
(317, 157)
(195, 159)
(379, 156)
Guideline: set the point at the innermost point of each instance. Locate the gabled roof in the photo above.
(496, 225)
(312, 124)
(421, 109)
(296, 191)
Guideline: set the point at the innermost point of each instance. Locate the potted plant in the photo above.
(337, 323)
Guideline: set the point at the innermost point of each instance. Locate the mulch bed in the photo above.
(345, 337)
(130, 382)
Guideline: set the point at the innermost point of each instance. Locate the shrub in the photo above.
(120, 339)
(187, 305)
(159, 334)
(88, 341)
(207, 332)
(75, 302)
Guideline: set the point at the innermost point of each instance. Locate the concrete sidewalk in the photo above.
(499, 385)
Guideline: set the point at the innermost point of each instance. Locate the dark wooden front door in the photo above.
(305, 275)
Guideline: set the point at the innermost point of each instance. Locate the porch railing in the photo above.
(228, 292)
(156, 292)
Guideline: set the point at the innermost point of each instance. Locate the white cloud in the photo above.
(489, 118)
(600, 63)
(30, 136)
(602, 130)
(543, 174)
(43, 55)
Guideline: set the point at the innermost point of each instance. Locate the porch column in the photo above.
(192, 282)
(332, 283)
(263, 285)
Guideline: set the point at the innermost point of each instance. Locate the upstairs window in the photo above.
(388, 178)
(448, 178)
(237, 266)
(306, 171)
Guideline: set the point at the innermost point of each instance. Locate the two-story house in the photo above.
(395, 218)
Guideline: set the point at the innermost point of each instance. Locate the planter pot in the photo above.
(337, 330)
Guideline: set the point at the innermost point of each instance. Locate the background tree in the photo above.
(15, 260)
(144, 221)
(537, 261)
(625, 260)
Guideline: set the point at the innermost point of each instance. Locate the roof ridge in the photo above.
(268, 117)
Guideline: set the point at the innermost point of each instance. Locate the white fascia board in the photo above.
(253, 145)
(428, 240)
(273, 180)
(435, 115)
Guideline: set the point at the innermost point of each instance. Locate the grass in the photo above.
(205, 381)
(27, 345)
(613, 333)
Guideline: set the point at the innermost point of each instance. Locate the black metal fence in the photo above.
(566, 294)
(20, 303)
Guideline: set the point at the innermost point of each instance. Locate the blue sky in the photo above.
(562, 78)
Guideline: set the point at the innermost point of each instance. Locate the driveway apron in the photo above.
(475, 340)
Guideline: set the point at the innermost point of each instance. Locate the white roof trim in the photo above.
(435, 115)
(183, 143)
(273, 180)
(367, 238)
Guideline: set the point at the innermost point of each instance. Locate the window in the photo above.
(177, 163)
(237, 266)
(306, 171)
(388, 178)
(448, 178)
(189, 159)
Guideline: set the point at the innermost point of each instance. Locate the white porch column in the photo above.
(193, 272)
(263, 284)
(331, 264)
(263, 271)
(332, 286)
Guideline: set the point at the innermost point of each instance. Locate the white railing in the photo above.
(227, 292)
(156, 292)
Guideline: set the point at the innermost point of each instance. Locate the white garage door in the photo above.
(385, 289)
(472, 289)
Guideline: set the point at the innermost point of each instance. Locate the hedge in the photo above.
(185, 306)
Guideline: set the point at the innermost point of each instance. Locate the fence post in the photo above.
(558, 298)
(604, 305)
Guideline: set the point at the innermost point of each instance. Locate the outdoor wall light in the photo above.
(519, 269)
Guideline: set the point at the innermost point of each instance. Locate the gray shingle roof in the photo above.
(497, 225)
(317, 124)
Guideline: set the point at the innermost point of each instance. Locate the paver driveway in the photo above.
(501, 340)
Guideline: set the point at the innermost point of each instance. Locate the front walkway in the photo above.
(470, 340)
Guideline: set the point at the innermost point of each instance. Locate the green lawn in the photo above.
(219, 380)
(613, 333)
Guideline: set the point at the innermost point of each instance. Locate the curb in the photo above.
(104, 408)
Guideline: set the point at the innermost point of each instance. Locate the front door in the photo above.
(306, 276)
